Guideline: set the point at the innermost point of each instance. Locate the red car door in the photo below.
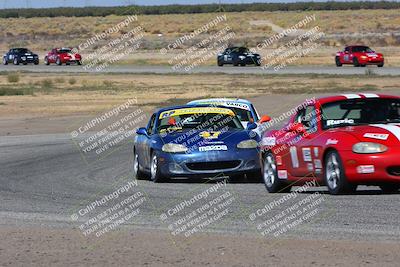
(346, 56)
(304, 152)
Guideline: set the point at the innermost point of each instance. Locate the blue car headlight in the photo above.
(248, 144)
(174, 148)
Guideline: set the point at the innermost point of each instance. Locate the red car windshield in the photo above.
(359, 112)
(63, 51)
(362, 49)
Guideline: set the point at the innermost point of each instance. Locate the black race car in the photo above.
(20, 55)
(238, 56)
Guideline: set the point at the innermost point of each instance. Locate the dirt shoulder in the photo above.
(59, 247)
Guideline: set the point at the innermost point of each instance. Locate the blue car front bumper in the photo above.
(209, 164)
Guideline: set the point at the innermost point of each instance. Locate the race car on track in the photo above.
(201, 141)
(61, 56)
(244, 110)
(340, 141)
(238, 56)
(359, 56)
(20, 56)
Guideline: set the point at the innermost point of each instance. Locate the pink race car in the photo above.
(340, 141)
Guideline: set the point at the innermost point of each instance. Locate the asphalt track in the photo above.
(328, 70)
(44, 181)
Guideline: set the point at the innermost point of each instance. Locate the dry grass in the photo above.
(95, 93)
(340, 27)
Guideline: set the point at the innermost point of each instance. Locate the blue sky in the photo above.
(57, 3)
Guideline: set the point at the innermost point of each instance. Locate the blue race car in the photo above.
(201, 141)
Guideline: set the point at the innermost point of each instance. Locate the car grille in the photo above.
(208, 166)
(394, 170)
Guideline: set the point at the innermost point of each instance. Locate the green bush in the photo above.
(13, 77)
(72, 81)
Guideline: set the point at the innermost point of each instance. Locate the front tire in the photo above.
(155, 173)
(334, 175)
(58, 61)
(46, 61)
(390, 188)
(381, 65)
(16, 61)
(338, 63)
(270, 176)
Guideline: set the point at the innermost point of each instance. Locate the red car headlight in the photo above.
(369, 148)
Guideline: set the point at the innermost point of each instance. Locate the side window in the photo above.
(150, 126)
(308, 117)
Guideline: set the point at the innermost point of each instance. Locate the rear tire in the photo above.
(5, 61)
(46, 61)
(270, 176)
(334, 175)
(381, 65)
(58, 61)
(338, 63)
(137, 173)
(390, 188)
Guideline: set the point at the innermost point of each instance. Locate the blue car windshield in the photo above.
(203, 121)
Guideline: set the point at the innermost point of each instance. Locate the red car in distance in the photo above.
(359, 56)
(61, 56)
(339, 141)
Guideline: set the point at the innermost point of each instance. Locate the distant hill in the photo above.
(190, 9)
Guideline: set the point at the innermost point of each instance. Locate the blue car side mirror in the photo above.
(251, 126)
(141, 131)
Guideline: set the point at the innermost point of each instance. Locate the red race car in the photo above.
(61, 56)
(340, 141)
(359, 56)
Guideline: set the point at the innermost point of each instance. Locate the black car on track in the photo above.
(238, 56)
(20, 56)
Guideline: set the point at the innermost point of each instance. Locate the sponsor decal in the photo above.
(282, 174)
(365, 169)
(337, 122)
(294, 157)
(377, 136)
(213, 148)
(310, 167)
(317, 163)
(316, 152)
(307, 157)
(392, 128)
(269, 141)
(194, 110)
(210, 135)
(318, 171)
(278, 160)
(332, 142)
